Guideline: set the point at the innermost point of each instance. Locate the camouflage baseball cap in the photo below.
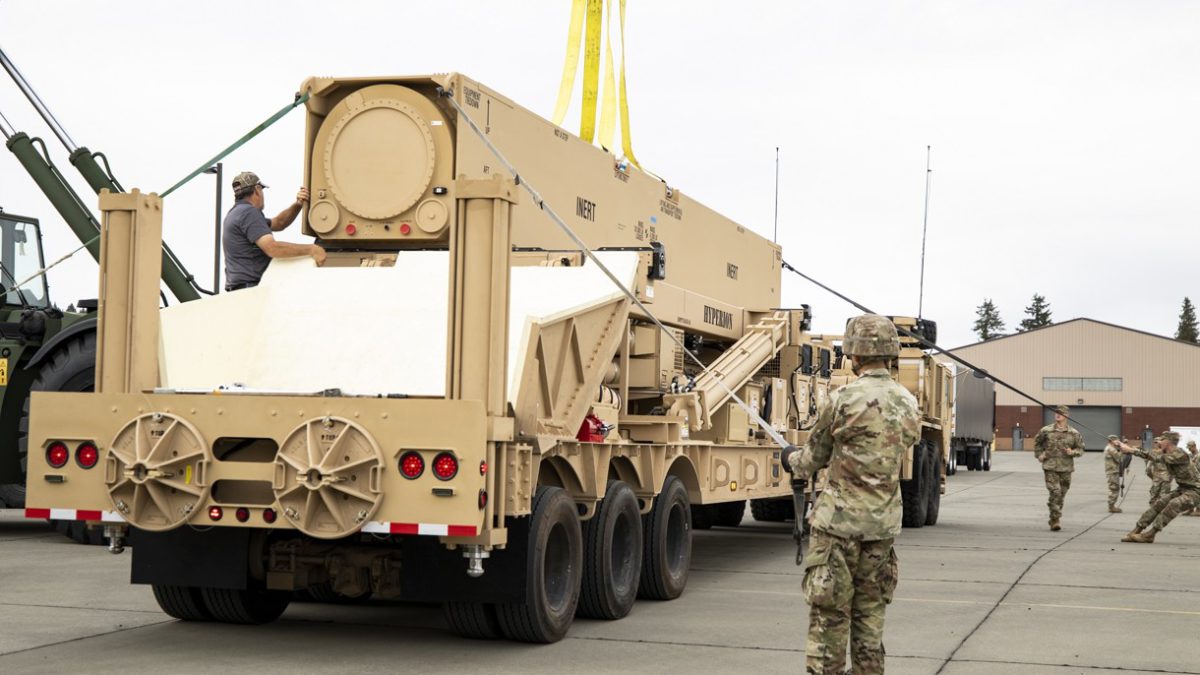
(1062, 410)
(1172, 436)
(1112, 437)
(1191, 444)
(871, 335)
(246, 179)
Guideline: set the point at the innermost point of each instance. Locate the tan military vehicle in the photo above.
(459, 406)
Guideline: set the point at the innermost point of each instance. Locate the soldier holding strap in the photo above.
(1185, 497)
(1112, 470)
(1056, 446)
(861, 434)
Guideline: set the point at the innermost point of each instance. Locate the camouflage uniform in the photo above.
(1159, 475)
(1112, 470)
(850, 569)
(1057, 449)
(1185, 497)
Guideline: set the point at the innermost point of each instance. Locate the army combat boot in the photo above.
(1133, 533)
(1146, 537)
(1054, 526)
(1115, 509)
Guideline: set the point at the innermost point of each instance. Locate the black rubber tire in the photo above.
(703, 516)
(185, 603)
(553, 572)
(986, 454)
(612, 555)
(729, 514)
(934, 489)
(250, 606)
(914, 493)
(973, 461)
(80, 533)
(776, 510)
(952, 463)
(71, 367)
(667, 552)
(473, 620)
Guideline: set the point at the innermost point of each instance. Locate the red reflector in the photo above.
(483, 499)
(351, 229)
(37, 513)
(215, 512)
(242, 514)
(269, 515)
(412, 465)
(405, 229)
(483, 467)
(87, 454)
(445, 466)
(57, 454)
(88, 515)
(460, 531)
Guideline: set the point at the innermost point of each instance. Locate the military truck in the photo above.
(974, 421)
(925, 465)
(460, 406)
(42, 348)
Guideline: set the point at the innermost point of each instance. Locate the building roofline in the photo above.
(1080, 318)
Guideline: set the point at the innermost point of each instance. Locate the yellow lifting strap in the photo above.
(591, 69)
(595, 12)
(571, 63)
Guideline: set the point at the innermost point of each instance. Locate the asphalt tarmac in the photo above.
(990, 589)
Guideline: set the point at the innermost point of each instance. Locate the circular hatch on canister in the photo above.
(378, 153)
(155, 471)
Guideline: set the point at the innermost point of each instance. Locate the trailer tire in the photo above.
(71, 367)
(774, 510)
(914, 493)
(667, 553)
(79, 532)
(986, 457)
(729, 514)
(185, 603)
(553, 571)
(612, 555)
(248, 606)
(935, 484)
(473, 620)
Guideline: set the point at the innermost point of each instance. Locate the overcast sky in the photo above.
(1064, 134)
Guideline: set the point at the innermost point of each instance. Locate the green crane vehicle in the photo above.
(43, 348)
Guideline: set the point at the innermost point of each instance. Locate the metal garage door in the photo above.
(1101, 420)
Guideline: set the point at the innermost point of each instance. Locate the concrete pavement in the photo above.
(988, 590)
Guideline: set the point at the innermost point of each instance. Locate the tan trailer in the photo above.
(458, 407)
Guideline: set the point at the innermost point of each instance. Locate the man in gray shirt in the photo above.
(247, 235)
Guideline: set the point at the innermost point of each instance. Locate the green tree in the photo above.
(989, 324)
(1187, 330)
(1038, 314)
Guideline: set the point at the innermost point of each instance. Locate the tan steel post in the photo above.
(130, 269)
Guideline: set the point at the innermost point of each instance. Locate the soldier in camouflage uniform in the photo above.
(1056, 446)
(1160, 477)
(1191, 446)
(1185, 497)
(861, 434)
(1112, 470)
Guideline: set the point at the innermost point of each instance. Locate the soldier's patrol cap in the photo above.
(1158, 438)
(1112, 437)
(1062, 410)
(1191, 444)
(1172, 436)
(246, 179)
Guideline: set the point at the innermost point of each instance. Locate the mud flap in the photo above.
(215, 558)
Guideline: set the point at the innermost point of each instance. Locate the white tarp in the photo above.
(364, 330)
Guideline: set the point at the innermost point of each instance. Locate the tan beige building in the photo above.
(1117, 380)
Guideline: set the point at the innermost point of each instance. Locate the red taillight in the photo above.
(351, 229)
(87, 454)
(57, 454)
(445, 466)
(268, 516)
(242, 514)
(215, 513)
(412, 465)
(483, 467)
(405, 229)
(482, 499)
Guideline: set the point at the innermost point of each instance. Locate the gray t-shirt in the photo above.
(245, 262)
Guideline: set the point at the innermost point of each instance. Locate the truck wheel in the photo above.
(729, 514)
(72, 367)
(667, 552)
(772, 510)
(553, 572)
(79, 532)
(935, 484)
(474, 620)
(986, 454)
(914, 493)
(249, 606)
(182, 602)
(612, 555)
(952, 463)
